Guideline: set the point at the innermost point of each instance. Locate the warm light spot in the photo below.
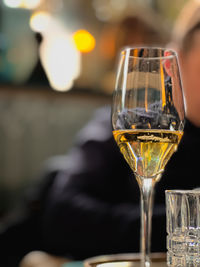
(29, 4)
(84, 41)
(39, 21)
(61, 60)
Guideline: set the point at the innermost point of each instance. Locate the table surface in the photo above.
(42, 259)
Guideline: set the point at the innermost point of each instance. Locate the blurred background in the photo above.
(57, 65)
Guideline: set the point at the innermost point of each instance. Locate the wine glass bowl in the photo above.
(148, 120)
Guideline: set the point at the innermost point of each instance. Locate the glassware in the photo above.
(148, 120)
(183, 227)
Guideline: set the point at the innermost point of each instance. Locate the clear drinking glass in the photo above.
(148, 120)
(183, 228)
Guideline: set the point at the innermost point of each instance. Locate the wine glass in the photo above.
(148, 121)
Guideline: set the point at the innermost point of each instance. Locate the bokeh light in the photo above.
(12, 3)
(60, 59)
(39, 21)
(84, 41)
(29, 4)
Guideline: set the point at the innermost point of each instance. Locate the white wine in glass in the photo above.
(148, 121)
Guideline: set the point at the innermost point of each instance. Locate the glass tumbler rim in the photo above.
(195, 191)
(131, 48)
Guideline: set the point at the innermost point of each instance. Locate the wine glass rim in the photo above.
(129, 48)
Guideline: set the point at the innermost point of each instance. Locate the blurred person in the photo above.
(182, 170)
(186, 37)
(89, 201)
(134, 29)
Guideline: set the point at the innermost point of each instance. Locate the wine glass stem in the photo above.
(147, 190)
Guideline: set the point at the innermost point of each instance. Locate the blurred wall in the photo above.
(35, 125)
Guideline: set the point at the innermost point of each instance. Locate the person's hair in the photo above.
(188, 40)
(141, 31)
(186, 26)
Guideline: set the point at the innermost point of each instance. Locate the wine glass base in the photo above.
(126, 260)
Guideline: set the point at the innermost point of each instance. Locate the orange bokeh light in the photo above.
(84, 41)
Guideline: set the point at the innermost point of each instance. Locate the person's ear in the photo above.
(167, 62)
